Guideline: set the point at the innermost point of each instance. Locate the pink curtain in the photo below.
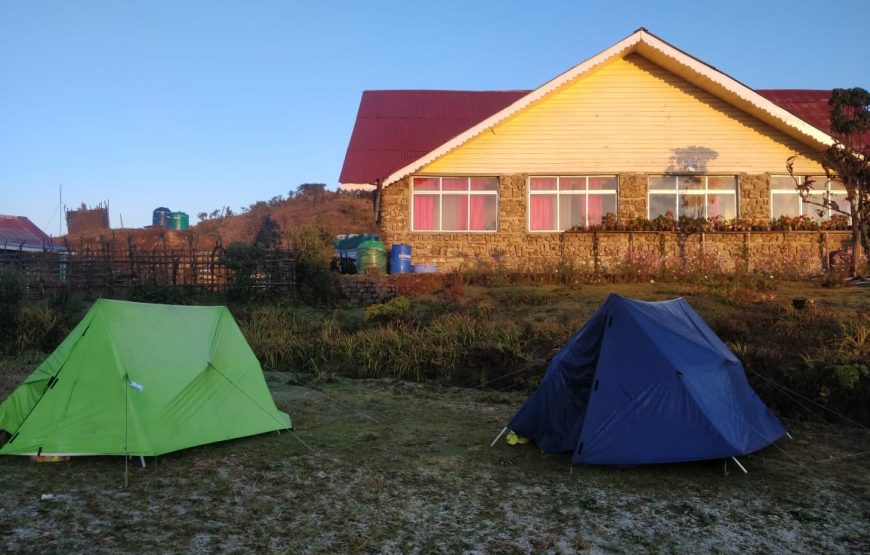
(541, 212)
(462, 214)
(424, 212)
(593, 210)
(477, 208)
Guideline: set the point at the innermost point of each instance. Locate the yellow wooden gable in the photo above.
(627, 115)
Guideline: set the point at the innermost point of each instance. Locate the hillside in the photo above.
(343, 212)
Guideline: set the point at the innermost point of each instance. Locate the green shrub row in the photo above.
(808, 362)
(798, 360)
(468, 346)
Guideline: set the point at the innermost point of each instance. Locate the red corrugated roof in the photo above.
(19, 231)
(809, 105)
(394, 128)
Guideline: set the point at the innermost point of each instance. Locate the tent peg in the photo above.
(501, 433)
(142, 460)
(788, 435)
(740, 465)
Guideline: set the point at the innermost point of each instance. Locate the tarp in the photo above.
(646, 382)
(141, 379)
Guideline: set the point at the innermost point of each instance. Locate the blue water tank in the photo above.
(162, 217)
(400, 259)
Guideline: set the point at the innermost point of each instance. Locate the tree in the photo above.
(313, 191)
(311, 245)
(269, 234)
(847, 160)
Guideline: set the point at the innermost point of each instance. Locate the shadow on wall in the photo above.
(669, 195)
(690, 160)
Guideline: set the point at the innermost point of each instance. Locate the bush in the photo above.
(162, 294)
(311, 245)
(793, 356)
(452, 346)
(12, 290)
(39, 327)
(242, 259)
(394, 309)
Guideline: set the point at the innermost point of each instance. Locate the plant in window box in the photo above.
(783, 223)
(731, 224)
(766, 226)
(836, 222)
(714, 223)
(741, 224)
(635, 224)
(805, 223)
(665, 222)
(693, 225)
(609, 221)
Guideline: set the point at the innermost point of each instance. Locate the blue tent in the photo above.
(646, 382)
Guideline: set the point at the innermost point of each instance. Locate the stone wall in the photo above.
(375, 288)
(753, 202)
(514, 247)
(366, 290)
(631, 196)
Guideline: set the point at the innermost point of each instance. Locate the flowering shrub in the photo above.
(794, 223)
(696, 225)
(640, 265)
(667, 222)
(837, 221)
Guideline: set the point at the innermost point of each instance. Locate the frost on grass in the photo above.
(415, 475)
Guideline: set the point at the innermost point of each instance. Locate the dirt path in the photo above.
(407, 468)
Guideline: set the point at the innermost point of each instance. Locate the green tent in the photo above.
(141, 379)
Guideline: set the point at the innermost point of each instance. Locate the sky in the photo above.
(197, 105)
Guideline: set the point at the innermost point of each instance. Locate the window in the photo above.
(693, 196)
(560, 203)
(786, 201)
(454, 203)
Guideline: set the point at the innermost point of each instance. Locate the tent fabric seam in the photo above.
(245, 393)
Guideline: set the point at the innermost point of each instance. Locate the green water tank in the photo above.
(180, 220)
(371, 253)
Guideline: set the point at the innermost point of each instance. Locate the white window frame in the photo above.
(558, 192)
(441, 194)
(813, 207)
(693, 192)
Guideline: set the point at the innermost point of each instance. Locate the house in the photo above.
(639, 131)
(18, 233)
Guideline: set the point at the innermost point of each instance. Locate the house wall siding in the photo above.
(628, 116)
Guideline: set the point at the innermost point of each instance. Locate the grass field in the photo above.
(399, 467)
(388, 466)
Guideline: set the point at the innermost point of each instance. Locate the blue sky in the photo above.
(196, 105)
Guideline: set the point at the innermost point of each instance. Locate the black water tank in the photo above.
(162, 217)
